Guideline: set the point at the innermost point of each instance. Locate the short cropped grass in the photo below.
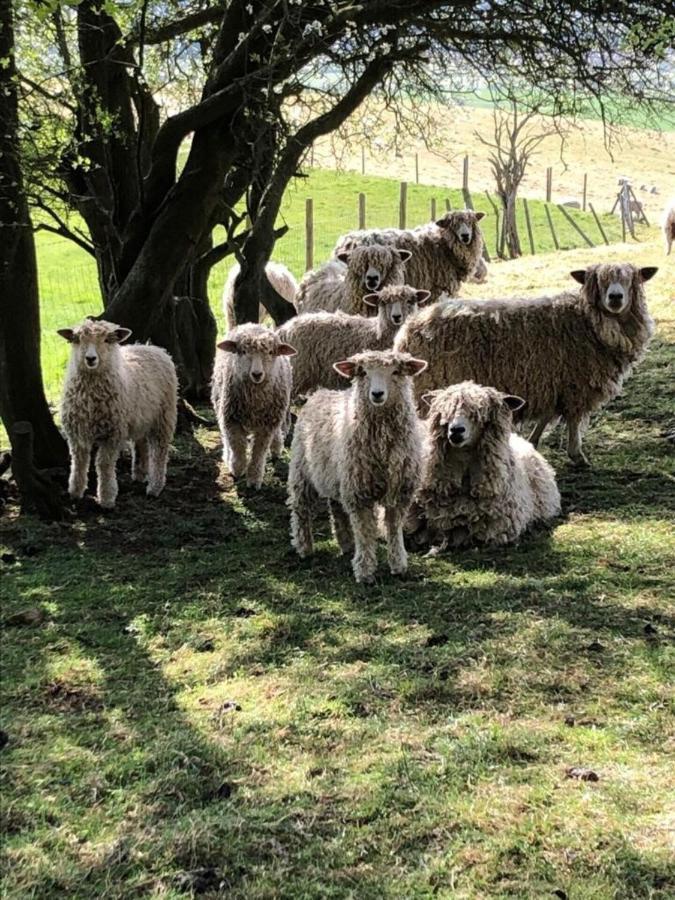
(202, 712)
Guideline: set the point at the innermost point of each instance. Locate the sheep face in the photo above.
(461, 225)
(256, 351)
(460, 415)
(373, 266)
(396, 303)
(380, 377)
(94, 343)
(613, 289)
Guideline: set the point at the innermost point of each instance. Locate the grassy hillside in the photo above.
(200, 711)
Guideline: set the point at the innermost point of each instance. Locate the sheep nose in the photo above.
(377, 396)
(457, 433)
(396, 318)
(372, 281)
(257, 376)
(91, 360)
(615, 298)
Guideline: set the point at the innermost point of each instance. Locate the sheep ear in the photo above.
(479, 216)
(285, 350)
(69, 335)
(648, 272)
(118, 336)
(421, 297)
(428, 398)
(344, 255)
(443, 223)
(579, 275)
(345, 368)
(513, 402)
(404, 255)
(227, 346)
(413, 366)
(371, 299)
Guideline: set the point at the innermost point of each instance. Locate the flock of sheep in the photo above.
(410, 395)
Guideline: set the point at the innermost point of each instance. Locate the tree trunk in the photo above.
(511, 236)
(22, 396)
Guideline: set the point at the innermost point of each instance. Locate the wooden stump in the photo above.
(37, 490)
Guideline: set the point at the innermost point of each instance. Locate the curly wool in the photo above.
(282, 280)
(440, 262)
(564, 354)
(339, 286)
(323, 338)
(490, 492)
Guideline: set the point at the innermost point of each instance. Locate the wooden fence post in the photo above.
(550, 225)
(549, 183)
(448, 205)
(311, 157)
(403, 205)
(583, 202)
(465, 174)
(363, 160)
(362, 210)
(598, 223)
(417, 169)
(529, 226)
(432, 209)
(575, 225)
(309, 234)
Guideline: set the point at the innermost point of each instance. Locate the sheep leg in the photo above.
(106, 462)
(277, 444)
(396, 552)
(538, 430)
(79, 469)
(159, 456)
(301, 497)
(259, 453)
(237, 442)
(364, 527)
(574, 451)
(341, 527)
(139, 460)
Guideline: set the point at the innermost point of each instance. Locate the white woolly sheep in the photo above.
(251, 393)
(444, 253)
(282, 280)
(113, 395)
(322, 338)
(566, 354)
(341, 283)
(668, 225)
(481, 483)
(357, 450)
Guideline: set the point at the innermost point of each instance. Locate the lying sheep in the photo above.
(481, 483)
(250, 393)
(444, 253)
(113, 395)
(358, 449)
(341, 283)
(281, 279)
(567, 354)
(668, 225)
(322, 338)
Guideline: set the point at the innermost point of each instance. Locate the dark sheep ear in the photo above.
(479, 216)
(227, 346)
(344, 255)
(421, 297)
(118, 336)
(404, 255)
(371, 299)
(413, 366)
(443, 223)
(345, 368)
(69, 335)
(285, 350)
(648, 272)
(513, 402)
(579, 275)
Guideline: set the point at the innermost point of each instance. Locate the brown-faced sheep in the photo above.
(566, 354)
(668, 225)
(323, 338)
(444, 253)
(481, 483)
(341, 283)
(113, 395)
(251, 393)
(282, 280)
(359, 449)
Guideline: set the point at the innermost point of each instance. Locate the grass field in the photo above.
(199, 709)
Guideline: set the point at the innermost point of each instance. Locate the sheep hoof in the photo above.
(580, 461)
(365, 579)
(106, 504)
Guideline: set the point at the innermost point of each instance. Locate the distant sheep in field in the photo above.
(359, 449)
(481, 483)
(444, 253)
(668, 225)
(341, 283)
(566, 354)
(322, 338)
(250, 393)
(281, 279)
(113, 395)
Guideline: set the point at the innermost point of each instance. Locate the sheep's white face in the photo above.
(466, 410)
(612, 287)
(463, 432)
(256, 361)
(380, 376)
(397, 303)
(372, 279)
(616, 298)
(464, 232)
(373, 265)
(461, 224)
(93, 343)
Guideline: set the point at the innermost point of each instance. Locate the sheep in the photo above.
(340, 283)
(481, 483)
(668, 225)
(444, 253)
(357, 449)
(282, 280)
(566, 354)
(250, 393)
(321, 338)
(113, 395)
